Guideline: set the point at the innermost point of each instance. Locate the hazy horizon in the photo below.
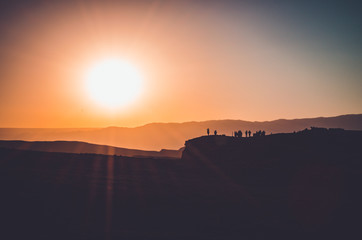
(190, 121)
(159, 136)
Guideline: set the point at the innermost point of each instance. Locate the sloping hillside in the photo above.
(82, 147)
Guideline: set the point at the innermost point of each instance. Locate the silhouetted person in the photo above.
(208, 132)
(240, 134)
(257, 134)
(215, 132)
(246, 133)
(249, 133)
(263, 133)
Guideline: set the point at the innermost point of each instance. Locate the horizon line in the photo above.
(202, 121)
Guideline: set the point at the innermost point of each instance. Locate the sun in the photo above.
(113, 83)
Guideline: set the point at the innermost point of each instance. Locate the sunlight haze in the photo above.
(197, 60)
(113, 83)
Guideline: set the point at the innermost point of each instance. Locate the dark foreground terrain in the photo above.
(305, 185)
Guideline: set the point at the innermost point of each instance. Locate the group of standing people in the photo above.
(248, 133)
(239, 133)
(259, 133)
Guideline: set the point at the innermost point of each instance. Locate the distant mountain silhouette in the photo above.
(156, 136)
(82, 147)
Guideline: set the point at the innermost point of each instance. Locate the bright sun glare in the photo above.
(113, 83)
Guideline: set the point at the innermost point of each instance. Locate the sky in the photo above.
(199, 60)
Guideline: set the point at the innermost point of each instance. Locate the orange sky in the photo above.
(198, 62)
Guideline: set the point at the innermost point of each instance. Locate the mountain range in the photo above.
(156, 136)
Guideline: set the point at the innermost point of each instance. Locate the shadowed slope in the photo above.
(82, 147)
(307, 181)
